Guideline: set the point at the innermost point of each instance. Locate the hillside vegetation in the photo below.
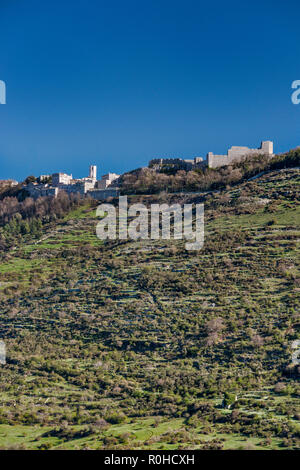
(151, 181)
(124, 344)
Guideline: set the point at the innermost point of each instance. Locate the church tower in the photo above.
(93, 172)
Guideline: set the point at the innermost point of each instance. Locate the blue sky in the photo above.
(117, 83)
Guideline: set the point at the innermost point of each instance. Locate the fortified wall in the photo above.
(102, 194)
(236, 154)
(40, 190)
(178, 163)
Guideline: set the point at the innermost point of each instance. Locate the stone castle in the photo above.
(51, 185)
(177, 163)
(234, 154)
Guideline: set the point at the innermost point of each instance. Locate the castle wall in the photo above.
(81, 187)
(236, 154)
(214, 161)
(178, 163)
(102, 194)
(103, 184)
(72, 188)
(36, 191)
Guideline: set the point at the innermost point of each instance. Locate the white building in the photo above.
(43, 178)
(61, 178)
(106, 180)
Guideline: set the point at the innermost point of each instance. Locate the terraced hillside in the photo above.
(147, 345)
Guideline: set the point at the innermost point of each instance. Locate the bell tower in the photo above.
(93, 172)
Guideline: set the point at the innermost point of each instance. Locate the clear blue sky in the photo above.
(117, 83)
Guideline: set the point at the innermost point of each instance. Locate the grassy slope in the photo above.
(99, 330)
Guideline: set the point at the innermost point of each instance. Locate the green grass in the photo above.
(142, 433)
(95, 329)
(81, 212)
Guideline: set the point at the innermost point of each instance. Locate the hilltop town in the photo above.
(108, 185)
(51, 185)
(234, 154)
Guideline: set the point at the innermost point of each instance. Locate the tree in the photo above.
(30, 179)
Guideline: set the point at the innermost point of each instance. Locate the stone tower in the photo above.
(267, 147)
(93, 172)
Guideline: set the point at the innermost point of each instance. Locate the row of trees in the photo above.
(19, 218)
(12, 208)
